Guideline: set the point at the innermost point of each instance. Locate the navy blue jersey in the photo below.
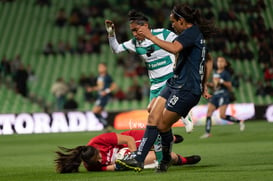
(225, 75)
(104, 82)
(221, 95)
(189, 68)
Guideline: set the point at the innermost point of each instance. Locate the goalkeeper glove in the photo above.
(130, 156)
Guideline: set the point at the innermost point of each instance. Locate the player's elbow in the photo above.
(115, 50)
(175, 51)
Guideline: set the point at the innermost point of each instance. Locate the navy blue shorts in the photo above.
(102, 101)
(220, 99)
(179, 101)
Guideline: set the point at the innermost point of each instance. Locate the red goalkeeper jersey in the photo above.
(107, 144)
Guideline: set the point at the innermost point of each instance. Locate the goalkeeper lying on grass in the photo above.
(101, 152)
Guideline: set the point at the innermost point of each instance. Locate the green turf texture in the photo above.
(228, 155)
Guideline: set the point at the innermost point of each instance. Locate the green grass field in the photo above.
(228, 155)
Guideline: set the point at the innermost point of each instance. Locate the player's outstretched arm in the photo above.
(114, 44)
(172, 47)
(128, 140)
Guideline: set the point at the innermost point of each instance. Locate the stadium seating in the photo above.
(250, 69)
(11, 102)
(28, 27)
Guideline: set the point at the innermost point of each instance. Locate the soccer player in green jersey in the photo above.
(158, 61)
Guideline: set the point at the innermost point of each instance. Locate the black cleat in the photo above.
(192, 159)
(131, 164)
(163, 166)
(178, 138)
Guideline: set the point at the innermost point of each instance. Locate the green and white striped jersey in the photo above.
(159, 62)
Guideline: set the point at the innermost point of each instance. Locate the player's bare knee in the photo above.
(149, 109)
(153, 119)
(163, 127)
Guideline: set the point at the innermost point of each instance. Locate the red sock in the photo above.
(181, 160)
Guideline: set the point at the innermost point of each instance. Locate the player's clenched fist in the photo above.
(145, 31)
(110, 28)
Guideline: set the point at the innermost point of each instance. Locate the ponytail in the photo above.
(69, 160)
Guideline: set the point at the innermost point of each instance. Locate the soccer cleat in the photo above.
(163, 166)
(166, 161)
(188, 123)
(120, 167)
(178, 138)
(192, 159)
(242, 125)
(131, 164)
(206, 135)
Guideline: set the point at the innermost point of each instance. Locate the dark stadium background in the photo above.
(72, 47)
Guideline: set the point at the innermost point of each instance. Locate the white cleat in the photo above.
(242, 125)
(206, 135)
(188, 123)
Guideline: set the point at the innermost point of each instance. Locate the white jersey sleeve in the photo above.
(125, 46)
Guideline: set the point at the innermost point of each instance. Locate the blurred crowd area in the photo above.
(232, 42)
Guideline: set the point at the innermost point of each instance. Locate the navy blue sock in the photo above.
(167, 142)
(166, 138)
(101, 120)
(208, 124)
(232, 119)
(147, 142)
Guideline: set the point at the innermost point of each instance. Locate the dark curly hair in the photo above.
(68, 160)
(194, 16)
(137, 17)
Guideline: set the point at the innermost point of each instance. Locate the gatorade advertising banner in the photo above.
(55, 122)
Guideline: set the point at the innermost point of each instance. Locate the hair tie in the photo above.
(177, 14)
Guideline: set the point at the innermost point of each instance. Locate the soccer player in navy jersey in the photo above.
(158, 61)
(184, 89)
(221, 97)
(105, 85)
